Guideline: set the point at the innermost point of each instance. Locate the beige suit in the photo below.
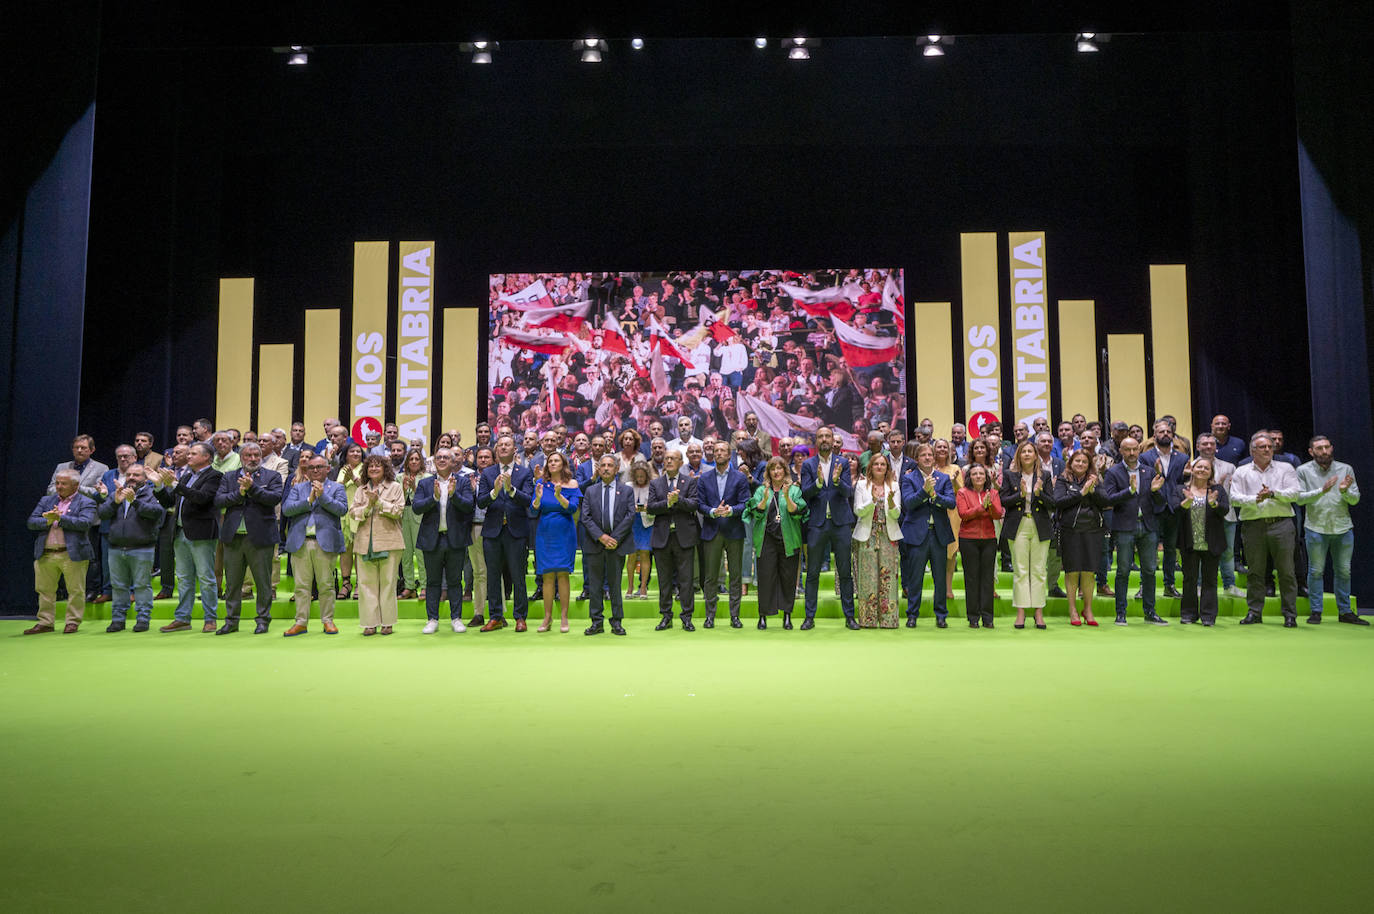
(379, 528)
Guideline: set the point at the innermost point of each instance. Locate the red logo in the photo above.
(977, 421)
(363, 427)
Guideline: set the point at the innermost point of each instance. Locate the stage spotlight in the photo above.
(481, 50)
(934, 45)
(1086, 42)
(591, 55)
(637, 43)
(590, 49)
(798, 54)
(481, 57)
(760, 42)
(297, 55)
(298, 59)
(799, 48)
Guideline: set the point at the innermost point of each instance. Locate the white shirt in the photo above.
(733, 357)
(677, 444)
(442, 491)
(1247, 481)
(1222, 471)
(479, 514)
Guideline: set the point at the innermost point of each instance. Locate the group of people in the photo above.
(713, 516)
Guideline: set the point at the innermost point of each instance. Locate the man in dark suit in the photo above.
(444, 503)
(135, 517)
(249, 497)
(62, 550)
(1167, 461)
(673, 502)
(192, 500)
(927, 496)
(1136, 495)
(604, 529)
(505, 491)
(314, 539)
(829, 493)
(723, 492)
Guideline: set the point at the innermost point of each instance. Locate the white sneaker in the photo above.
(458, 626)
(1234, 591)
(431, 627)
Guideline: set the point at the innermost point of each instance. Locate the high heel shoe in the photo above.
(545, 627)
(563, 628)
(346, 593)
(1075, 621)
(1092, 622)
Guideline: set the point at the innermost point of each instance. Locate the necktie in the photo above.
(606, 504)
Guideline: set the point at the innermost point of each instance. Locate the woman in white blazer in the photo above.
(877, 558)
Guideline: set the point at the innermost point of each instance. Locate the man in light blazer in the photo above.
(829, 493)
(927, 496)
(314, 539)
(61, 550)
(673, 502)
(722, 492)
(444, 503)
(249, 497)
(605, 531)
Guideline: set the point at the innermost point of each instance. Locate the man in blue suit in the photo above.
(829, 492)
(505, 491)
(722, 494)
(61, 550)
(249, 497)
(314, 539)
(604, 529)
(1168, 462)
(927, 496)
(445, 503)
(1136, 495)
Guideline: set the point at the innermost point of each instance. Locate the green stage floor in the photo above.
(1138, 769)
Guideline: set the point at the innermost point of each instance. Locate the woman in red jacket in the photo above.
(978, 504)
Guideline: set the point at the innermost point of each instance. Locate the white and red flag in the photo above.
(609, 336)
(545, 343)
(568, 318)
(532, 296)
(659, 341)
(862, 349)
(895, 303)
(832, 302)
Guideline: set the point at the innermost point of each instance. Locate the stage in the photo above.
(1067, 769)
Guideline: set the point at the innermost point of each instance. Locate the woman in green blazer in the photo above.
(777, 513)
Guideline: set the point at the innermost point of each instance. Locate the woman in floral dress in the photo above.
(877, 559)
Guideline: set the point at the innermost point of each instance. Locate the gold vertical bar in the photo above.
(1078, 359)
(1031, 362)
(1126, 376)
(934, 365)
(1169, 345)
(321, 368)
(368, 380)
(276, 385)
(982, 323)
(234, 364)
(460, 370)
(415, 338)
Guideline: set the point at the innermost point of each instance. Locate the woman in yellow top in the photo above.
(777, 512)
(350, 476)
(956, 479)
(376, 509)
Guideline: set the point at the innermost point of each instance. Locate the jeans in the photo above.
(1339, 546)
(196, 561)
(1143, 543)
(131, 573)
(1228, 558)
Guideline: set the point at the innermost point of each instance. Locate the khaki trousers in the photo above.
(313, 566)
(47, 571)
(477, 555)
(377, 589)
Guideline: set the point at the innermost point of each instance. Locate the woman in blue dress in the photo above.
(556, 497)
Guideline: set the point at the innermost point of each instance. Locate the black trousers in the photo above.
(676, 565)
(821, 541)
(980, 577)
(167, 554)
(444, 569)
(733, 551)
(507, 558)
(242, 556)
(602, 569)
(1199, 566)
(777, 577)
(1168, 539)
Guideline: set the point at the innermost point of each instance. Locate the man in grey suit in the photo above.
(249, 497)
(604, 529)
(314, 540)
(673, 502)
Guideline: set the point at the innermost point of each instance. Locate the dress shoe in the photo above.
(431, 626)
(1018, 625)
(987, 623)
(941, 623)
(1138, 594)
(227, 628)
(1314, 619)
(369, 632)
(114, 627)
(175, 626)
(208, 627)
(70, 627)
(664, 623)
(330, 628)
(38, 630)
(1172, 592)
(476, 621)
(687, 625)
(495, 623)
(1154, 619)
(261, 628)
(1290, 622)
(1351, 619)
(1207, 624)
(735, 622)
(973, 624)
(1302, 590)
(520, 625)
(1185, 621)
(595, 628)
(851, 623)
(1105, 590)
(294, 630)
(787, 621)
(763, 622)
(1269, 591)
(1057, 591)
(617, 628)
(911, 622)
(163, 594)
(808, 623)
(708, 622)
(101, 598)
(1252, 619)
(385, 630)
(141, 625)
(582, 597)
(407, 594)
